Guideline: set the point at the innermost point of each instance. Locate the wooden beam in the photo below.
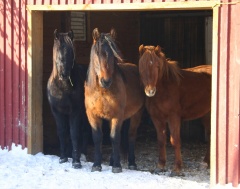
(191, 5)
(213, 157)
(35, 64)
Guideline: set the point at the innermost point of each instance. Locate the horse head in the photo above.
(63, 54)
(104, 55)
(149, 67)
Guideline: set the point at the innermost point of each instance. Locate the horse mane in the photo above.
(95, 51)
(168, 69)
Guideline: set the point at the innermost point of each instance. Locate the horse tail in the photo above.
(124, 138)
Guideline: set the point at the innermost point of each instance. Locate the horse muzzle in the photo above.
(105, 83)
(150, 91)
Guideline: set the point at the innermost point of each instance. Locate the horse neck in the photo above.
(169, 72)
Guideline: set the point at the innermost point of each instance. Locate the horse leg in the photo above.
(160, 127)
(174, 126)
(61, 122)
(115, 135)
(74, 122)
(96, 125)
(134, 124)
(206, 121)
(85, 131)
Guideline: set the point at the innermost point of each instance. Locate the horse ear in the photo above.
(157, 49)
(70, 34)
(113, 33)
(56, 35)
(95, 34)
(141, 49)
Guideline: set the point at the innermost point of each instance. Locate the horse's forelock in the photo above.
(103, 39)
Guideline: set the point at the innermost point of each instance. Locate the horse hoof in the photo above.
(76, 165)
(83, 158)
(176, 174)
(132, 167)
(96, 168)
(159, 171)
(63, 160)
(117, 169)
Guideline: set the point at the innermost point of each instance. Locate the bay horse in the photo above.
(112, 92)
(65, 91)
(174, 95)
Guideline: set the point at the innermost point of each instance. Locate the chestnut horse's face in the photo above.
(63, 54)
(148, 68)
(104, 56)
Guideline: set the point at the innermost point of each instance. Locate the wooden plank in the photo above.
(214, 100)
(16, 69)
(35, 45)
(2, 76)
(23, 74)
(197, 5)
(55, 2)
(236, 44)
(8, 75)
(233, 173)
(222, 97)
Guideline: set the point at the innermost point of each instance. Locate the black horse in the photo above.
(65, 90)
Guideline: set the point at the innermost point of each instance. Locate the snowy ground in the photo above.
(21, 170)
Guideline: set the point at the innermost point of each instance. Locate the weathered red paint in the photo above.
(2, 75)
(228, 131)
(234, 87)
(13, 79)
(23, 73)
(8, 59)
(13, 73)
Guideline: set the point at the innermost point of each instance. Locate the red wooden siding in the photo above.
(13, 73)
(228, 94)
(13, 79)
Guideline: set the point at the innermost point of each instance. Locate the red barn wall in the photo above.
(13, 73)
(14, 94)
(228, 95)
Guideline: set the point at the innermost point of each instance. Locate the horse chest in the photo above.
(104, 103)
(62, 99)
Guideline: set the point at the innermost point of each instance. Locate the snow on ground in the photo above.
(21, 170)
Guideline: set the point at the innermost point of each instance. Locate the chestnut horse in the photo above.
(65, 90)
(112, 92)
(174, 95)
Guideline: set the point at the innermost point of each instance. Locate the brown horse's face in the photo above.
(63, 54)
(103, 56)
(148, 68)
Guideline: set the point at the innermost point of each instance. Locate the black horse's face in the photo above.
(63, 53)
(104, 57)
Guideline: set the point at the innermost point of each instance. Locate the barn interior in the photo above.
(185, 36)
